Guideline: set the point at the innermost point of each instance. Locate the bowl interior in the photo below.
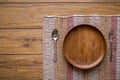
(84, 46)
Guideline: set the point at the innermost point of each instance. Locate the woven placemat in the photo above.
(62, 70)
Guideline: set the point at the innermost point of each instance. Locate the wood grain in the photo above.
(26, 1)
(16, 40)
(32, 15)
(23, 41)
(84, 46)
(21, 67)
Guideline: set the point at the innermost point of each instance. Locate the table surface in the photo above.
(21, 25)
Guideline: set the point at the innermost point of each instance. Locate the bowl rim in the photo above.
(98, 61)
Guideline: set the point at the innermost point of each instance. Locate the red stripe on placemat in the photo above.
(69, 66)
(70, 24)
(114, 44)
(69, 71)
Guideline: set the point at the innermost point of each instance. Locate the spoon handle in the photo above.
(110, 51)
(55, 52)
(110, 41)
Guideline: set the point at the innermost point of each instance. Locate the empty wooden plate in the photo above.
(84, 46)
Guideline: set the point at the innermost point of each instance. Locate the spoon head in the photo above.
(55, 34)
(110, 35)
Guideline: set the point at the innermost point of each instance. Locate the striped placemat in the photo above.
(62, 70)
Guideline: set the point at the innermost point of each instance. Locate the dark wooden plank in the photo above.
(23, 41)
(21, 67)
(23, 1)
(32, 15)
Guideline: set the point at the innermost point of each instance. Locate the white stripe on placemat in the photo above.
(48, 49)
(93, 74)
(118, 50)
(78, 20)
(77, 74)
(94, 20)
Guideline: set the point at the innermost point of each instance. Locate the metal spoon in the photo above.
(55, 36)
(110, 41)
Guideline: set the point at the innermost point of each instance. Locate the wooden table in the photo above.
(21, 24)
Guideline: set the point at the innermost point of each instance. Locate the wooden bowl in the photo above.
(84, 46)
